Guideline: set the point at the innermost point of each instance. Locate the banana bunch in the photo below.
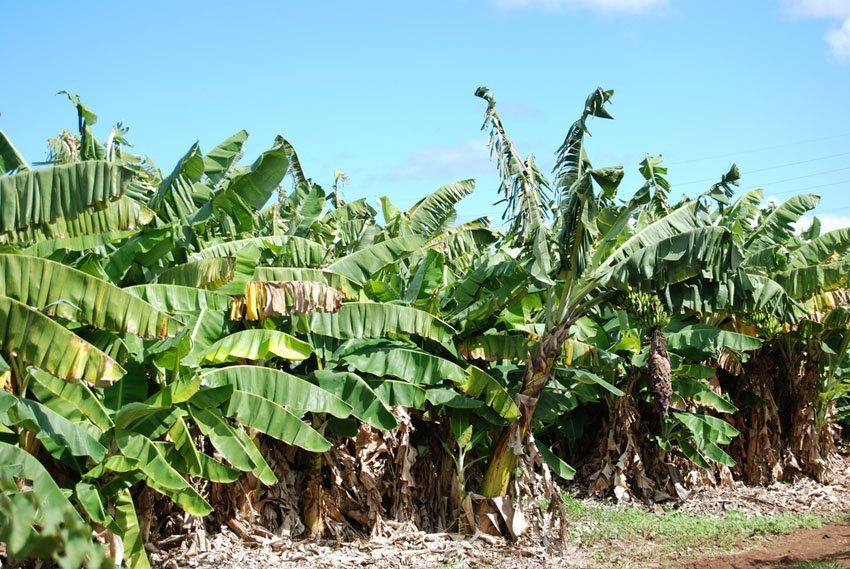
(766, 324)
(645, 308)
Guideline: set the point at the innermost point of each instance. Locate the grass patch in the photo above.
(637, 533)
(817, 565)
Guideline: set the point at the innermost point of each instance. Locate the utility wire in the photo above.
(798, 190)
(715, 178)
(774, 181)
(753, 151)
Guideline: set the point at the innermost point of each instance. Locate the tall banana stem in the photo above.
(537, 372)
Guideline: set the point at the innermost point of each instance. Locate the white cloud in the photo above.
(837, 37)
(839, 40)
(442, 162)
(837, 9)
(828, 222)
(605, 6)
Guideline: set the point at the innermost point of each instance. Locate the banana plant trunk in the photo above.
(314, 498)
(538, 370)
(660, 371)
(314, 495)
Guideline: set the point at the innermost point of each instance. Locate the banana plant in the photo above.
(596, 250)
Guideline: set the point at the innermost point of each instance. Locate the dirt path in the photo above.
(830, 543)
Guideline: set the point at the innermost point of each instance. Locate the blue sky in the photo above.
(384, 90)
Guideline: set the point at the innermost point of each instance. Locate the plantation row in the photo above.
(236, 339)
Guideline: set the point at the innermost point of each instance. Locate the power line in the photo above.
(715, 178)
(775, 181)
(798, 190)
(753, 151)
(842, 208)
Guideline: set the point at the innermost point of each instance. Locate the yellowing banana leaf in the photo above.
(74, 295)
(40, 341)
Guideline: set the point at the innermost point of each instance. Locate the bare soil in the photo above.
(827, 544)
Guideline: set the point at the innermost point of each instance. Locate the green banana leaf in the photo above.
(52, 429)
(270, 418)
(176, 299)
(74, 295)
(126, 526)
(481, 385)
(376, 320)
(428, 215)
(232, 444)
(10, 159)
(299, 251)
(76, 395)
(86, 229)
(702, 340)
(219, 160)
(283, 389)
(557, 465)
(257, 344)
(380, 358)
(203, 273)
(366, 404)
(38, 340)
(249, 191)
(159, 474)
(361, 265)
(51, 499)
(38, 197)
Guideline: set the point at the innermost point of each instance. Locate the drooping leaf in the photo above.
(126, 526)
(281, 298)
(376, 320)
(410, 364)
(40, 341)
(74, 295)
(204, 273)
(77, 395)
(270, 418)
(159, 474)
(10, 159)
(18, 462)
(256, 345)
(93, 502)
(557, 465)
(338, 282)
(232, 445)
(482, 385)
(50, 427)
(219, 160)
(282, 388)
(361, 265)
(365, 403)
(42, 196)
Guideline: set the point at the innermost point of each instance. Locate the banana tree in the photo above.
(596, 252)
(785, 386)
